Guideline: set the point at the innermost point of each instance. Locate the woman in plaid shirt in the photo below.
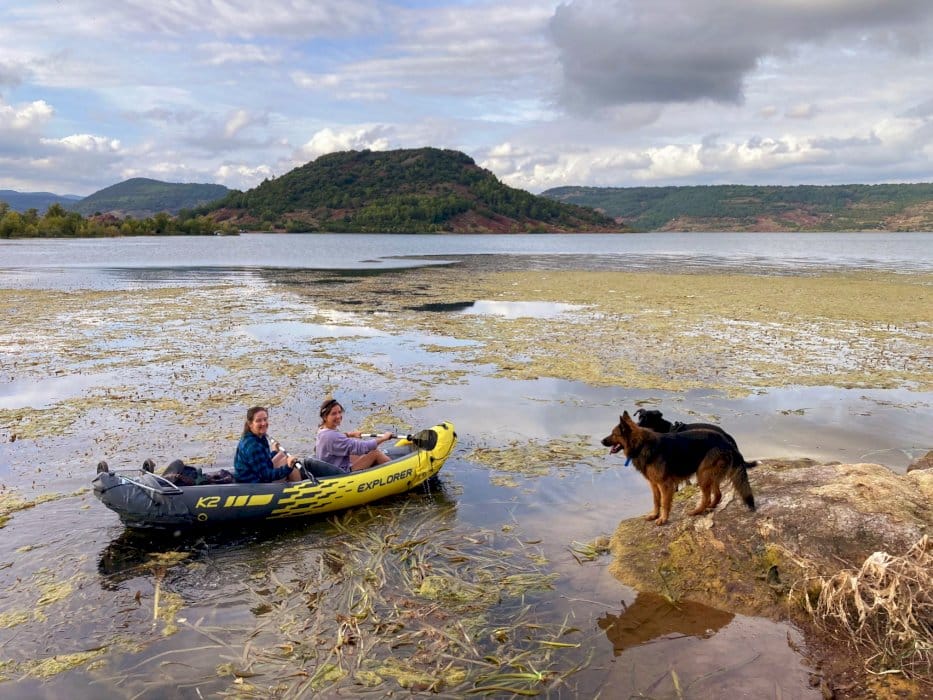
(257, 462)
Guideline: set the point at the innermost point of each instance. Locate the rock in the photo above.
(925, 462)
(812, 520)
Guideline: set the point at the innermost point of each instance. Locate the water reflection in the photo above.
(504, 309)
(42, 393)
(285, 331)
(652, 616)
(520, 309)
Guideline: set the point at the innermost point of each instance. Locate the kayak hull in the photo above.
(146, 500)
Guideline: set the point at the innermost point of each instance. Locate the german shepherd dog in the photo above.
(666, 459)
(654, 420)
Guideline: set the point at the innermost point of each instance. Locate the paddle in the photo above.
(298, 462)
(424, 439)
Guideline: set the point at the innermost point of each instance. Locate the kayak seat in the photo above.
(320, 468)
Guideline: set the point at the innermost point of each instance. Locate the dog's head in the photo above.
(652, 419)
(621, 436)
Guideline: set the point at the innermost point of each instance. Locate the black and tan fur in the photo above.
(666, 459)
(654, 420)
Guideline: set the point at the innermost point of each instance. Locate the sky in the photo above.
(607, 93)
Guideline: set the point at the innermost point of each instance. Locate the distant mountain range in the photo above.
(434, 190)
(22, 201)
(138, 197)
(906, 207)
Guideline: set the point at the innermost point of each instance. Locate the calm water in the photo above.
(112, 263)
(75, 539)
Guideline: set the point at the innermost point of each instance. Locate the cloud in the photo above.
(25, 117)
(220, 53)
(87, 143)
(625, 51)
(237, 121)
(240, 18)
(374, 138)
(241, 176)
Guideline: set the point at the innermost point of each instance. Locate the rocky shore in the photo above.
(813, 521)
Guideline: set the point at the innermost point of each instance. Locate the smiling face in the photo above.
(259, 423)
(332, 418)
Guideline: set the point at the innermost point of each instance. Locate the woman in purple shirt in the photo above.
(348, 451)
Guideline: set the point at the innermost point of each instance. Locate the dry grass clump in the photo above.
(886, 609)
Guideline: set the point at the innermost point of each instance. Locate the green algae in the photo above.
(536, 458)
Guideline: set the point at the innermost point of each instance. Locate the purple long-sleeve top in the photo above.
(335, 447)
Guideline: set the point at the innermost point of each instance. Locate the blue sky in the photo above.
(542, 93)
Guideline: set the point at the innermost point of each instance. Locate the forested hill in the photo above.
(761, 208)
(409, 191)
(141, 197)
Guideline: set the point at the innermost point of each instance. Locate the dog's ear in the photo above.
(626, 419)
(639, 413)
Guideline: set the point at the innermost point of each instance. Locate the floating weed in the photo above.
(12, 618)
(533, 458)
(589, 551)
(11, 503)
(504, 481)
(52, 666)
(424, 605)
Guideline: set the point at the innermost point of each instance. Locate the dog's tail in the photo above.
(740, 481)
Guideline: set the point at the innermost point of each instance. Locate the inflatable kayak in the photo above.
(144, 499)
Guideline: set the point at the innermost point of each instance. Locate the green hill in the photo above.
(141, 197)
(760, 208)
(402, 191)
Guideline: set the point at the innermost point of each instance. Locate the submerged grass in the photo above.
(420, 606)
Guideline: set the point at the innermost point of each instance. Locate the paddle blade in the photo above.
(423, 440)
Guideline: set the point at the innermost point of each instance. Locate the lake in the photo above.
(153, 347)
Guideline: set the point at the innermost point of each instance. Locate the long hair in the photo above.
(326, 408)
(250, 414)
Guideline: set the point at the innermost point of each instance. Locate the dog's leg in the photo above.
(667, 495)
(717, 495)
(656, 494)
(704, 479)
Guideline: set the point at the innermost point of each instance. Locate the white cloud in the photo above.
(241, 176)
(238, 120)
(374, 138)
(84, 142)
(25, 117)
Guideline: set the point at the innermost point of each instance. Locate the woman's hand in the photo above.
(354, 434)
(292, 459)
(385, 436)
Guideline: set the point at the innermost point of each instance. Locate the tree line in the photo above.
(58, 222)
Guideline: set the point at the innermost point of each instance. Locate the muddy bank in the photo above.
(813, 520)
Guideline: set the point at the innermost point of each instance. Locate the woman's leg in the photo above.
(367, 460)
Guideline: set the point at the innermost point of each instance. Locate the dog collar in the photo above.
(628, 461)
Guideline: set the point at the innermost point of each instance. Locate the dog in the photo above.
(666, 459)
(654, 420)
